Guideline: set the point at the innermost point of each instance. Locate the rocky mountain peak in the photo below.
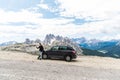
(49, 38)
(53, 40)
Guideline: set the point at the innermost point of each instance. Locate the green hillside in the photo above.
(92, 52)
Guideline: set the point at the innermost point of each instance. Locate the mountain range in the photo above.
(8, 43)
(94, 47)
(95, 44)
(53, 40)
(110, 48)
(50, 40)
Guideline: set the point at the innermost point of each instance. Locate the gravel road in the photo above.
(22, 66)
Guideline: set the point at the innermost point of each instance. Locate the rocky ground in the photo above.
(23, 66)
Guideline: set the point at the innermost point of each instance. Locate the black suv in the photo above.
(62, 52)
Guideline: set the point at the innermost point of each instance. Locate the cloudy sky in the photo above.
(21, 19)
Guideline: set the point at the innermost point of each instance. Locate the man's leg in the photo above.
(40, 55)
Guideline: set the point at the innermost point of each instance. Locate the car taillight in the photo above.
(74, 52)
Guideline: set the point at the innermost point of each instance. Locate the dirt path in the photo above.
(85, 61)
(9, 55)
(23, 66)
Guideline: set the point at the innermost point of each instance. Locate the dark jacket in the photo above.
(41, 48)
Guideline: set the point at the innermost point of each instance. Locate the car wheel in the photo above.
(68, 58)
(45, 56)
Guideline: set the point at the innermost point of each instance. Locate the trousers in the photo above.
(40, 55)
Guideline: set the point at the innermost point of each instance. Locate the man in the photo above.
(41, 49)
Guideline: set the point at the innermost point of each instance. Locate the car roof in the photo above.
(61, 46)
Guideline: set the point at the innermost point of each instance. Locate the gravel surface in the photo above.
(22, 66)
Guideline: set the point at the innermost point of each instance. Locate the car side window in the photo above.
(54, 48)
(62, 48)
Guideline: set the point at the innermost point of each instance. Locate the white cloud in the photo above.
(97, 9)
(44, 6)
(21, 16)
(104, 14)
(18, 33)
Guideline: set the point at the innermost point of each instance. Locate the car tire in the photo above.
(44, 56)
(68, 58)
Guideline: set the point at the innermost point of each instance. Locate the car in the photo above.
(63, 52)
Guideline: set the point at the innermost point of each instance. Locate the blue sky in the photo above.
(21, 19)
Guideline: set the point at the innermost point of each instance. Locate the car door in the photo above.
(53, 52)
(56, 52)
(62, 51)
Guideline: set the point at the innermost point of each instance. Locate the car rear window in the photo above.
(70, 48)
